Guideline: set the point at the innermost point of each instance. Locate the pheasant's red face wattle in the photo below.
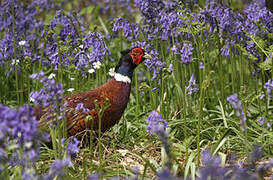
(136, 54)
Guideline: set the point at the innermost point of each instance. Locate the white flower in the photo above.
(22, 43)
(31, 99)
(81, 46)
(70, 89)
(71, 78)
(28, 144)
(111, 71)
(19, 134)
(13, 62)
(51, 76)
(91, 71)
(97, 64)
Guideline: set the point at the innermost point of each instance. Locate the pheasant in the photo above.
(115, 92)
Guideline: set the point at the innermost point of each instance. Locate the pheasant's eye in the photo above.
(136, 54)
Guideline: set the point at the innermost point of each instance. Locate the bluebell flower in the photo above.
(268, 125)
(29, 173)
(201, 66)
(114, 8)
(232, 25)
(235, 102)
(26, 27)
(48, 96)
(94, 176)
(19, 138)
(130, 31)
(64, 30)
(67, 22)
(155, 121)
(96, 41)
(166, 174)
(269, 58)
(161, 18)
(24, 17)
(212, 168)
(261, 120)
(208, 15)
(80, 107)
(251, 48)
(150, 9)
(242, 173)
(186, 53)
(226, 50)
(237, 105)
(82, 60)
(169, 21)
(257, 13)
(44, 4)
(57, 168)
(192, 87)
(170, 68)
(157, 125)
(72, 146)
(255, 155)
(174, 49)
(20, 124)
(269, 87)
(87, 58)
(135, 169)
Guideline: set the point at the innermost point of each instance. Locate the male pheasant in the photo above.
(116, 91)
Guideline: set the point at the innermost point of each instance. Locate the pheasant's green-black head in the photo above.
(137, 55)
(130, 59)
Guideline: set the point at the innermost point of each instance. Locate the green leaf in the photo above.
(189, 164)
(266, 65)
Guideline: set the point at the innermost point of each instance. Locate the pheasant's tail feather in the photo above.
(46, 118)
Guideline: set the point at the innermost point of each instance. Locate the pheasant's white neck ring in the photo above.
(122, 78)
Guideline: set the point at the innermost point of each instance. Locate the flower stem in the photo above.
(41, 60)
(137, 94)
(15, 57)
(60, 69)
(200, 116)
(100, 110)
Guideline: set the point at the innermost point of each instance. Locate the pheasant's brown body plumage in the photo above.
(116, 92)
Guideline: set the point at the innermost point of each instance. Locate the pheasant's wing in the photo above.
(47, 116)
(77, 119)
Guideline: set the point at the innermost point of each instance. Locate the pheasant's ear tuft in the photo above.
(125, 52)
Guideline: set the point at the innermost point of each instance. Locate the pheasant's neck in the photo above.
(122, 78)
(124, 73)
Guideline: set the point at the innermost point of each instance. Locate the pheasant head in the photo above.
(130, 59)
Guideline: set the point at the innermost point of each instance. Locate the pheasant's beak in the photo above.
(147, 56)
